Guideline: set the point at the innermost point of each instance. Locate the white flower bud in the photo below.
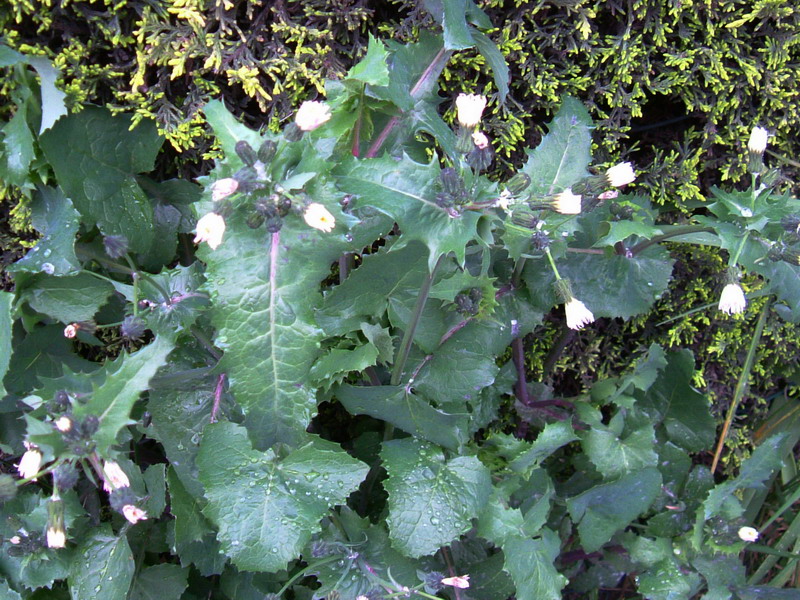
(469, 109)
(311, 115)
(223, 188)
(748, 534)
(758, 140)
(210, 229)
(732, 300)
(578, 315)
(318, 217)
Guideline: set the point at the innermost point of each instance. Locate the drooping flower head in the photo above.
(461, 582)
(133, 513)
(311, 115)
(732, 300)
(210, 229)
(566, 203)
(621, 174)
(71, 330)
(578, 316)
(469, 109)
(318, 217)
(114, 476)
(223, 188)
(748, 534)
(31, 461)
(56, 538)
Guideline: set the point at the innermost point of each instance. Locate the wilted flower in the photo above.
(758, 140)
(132, 328)
(732, 300)
(311, 115)
(503, 200)
(480, 140)
(133, 513)
(114, 476)
(71, 330)
(30, 462)
(223, 188)
(748, 534)
(566, 203)
(578, 316)
(609, 195)
(621, 174)
(210, 229)
(462, 581)
(15, 540)
(318, 217)
(470, 108)
(115, 245)
(56, 537)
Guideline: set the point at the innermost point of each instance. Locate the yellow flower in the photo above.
(210, 229)
(578, 315)
(318, 217)
(469, 109)
(311, 115)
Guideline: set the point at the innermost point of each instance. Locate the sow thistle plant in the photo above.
(313, 400)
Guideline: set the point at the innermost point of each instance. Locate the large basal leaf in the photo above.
(96, 157)
(18, 150)
(530, 564)
(667, 580)
(159, 582)
(396, 404)
(564, 154)
(126, 378)
(683, 411)
(266, 507)
(103, 566)
(431, 500)
(53, 215)
(406, 191)
(599, 512)
(66, 299)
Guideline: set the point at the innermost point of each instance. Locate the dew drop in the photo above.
(47, 252)
(434, 521)
(274, 550)
(48, 268)
(97, 588)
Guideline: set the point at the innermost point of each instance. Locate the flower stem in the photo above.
(552, 264)
(408, 337)
(741, 384)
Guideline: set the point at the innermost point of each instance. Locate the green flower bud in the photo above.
(246, 153)
(518, 183)
(267, 151)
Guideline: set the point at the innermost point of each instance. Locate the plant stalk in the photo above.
(641, 247)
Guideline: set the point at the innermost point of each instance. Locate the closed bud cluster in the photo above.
(525, 217)
(245, 151)
(540, 240)
(454, 193)
(78, 433)
(65, 476)
(469, 302)
(60, 402)
(518, 183)
(116, 246)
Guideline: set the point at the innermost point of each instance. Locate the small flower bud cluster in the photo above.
(468, 303)
(121, 497)
(453, 195)
(77, 433)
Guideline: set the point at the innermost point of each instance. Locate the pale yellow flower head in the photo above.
(311, 115)
(480, 140)
(223, 188)
(758, 140)
(578, 316)
(318, 217)
(56, 537)
(748, 534)
(114, 476)
(621, 174)
(210, 229)
(567, 203)
(732, 300)
(30, 463)
(469, 109)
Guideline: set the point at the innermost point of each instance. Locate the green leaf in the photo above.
(683, 411)
(6, 299)
(431, 500)
(99, 172)
(530, 564)
(9, 57)
(53, 106)
(337, 363)
(126, 378)
(622, 230)
(268, 507)
(52, 215)
(765, 459)
(160, 582)
(372, 68)
(564, 154)
(600, 514)
(403, 409)
(18, 142)
(613, 451)
(722, 573)
(67, 299)
(6, 592)
(618, 286)
(452, 16)
(764, 592)
(103, 566)
(353, 574)
(228, 130)
(550, 439)
(495, 59)
(156, 484)
(666, 580)
(405, 191)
